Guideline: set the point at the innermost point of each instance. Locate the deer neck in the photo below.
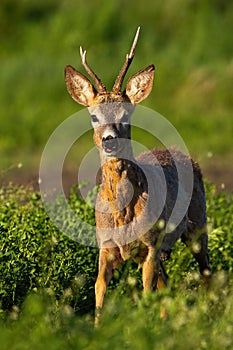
(121, 178)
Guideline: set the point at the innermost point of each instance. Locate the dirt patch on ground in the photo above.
(220, 177)
(219, 174)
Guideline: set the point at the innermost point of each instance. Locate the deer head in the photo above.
(110, 110)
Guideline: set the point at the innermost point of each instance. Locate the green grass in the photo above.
(190, 43)
(47, 279)
(47, 285)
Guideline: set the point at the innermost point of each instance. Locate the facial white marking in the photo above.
(108, 133)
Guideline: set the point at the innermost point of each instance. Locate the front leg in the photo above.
(150, 271)
(107, 261)
(154, 275)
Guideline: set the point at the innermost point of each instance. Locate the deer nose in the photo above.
(110, 144)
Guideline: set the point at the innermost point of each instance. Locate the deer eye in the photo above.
(94, 118)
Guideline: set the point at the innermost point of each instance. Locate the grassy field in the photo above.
(47, 286)
(47, 279)
(190, 42)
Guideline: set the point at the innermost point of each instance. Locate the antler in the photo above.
(98, 83)
(129, 59)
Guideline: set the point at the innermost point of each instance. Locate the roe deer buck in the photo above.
(131, 198)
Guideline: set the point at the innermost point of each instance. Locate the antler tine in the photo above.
(128, 61)
(98, 83)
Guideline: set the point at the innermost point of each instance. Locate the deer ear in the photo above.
(140, 84)
(79, 87)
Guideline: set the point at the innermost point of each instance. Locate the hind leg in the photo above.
(197, 241)
(196, 237)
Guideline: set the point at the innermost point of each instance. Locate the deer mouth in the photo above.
(110, 146)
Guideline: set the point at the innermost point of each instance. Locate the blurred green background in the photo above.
(189, 41)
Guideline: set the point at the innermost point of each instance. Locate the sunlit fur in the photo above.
(122, 204)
